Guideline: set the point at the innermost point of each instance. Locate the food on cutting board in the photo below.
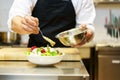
(43, 51)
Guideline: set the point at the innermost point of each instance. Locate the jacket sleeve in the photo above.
(19, 8)
(85, 13)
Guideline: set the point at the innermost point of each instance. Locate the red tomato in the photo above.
(33, 47)
(43, 51)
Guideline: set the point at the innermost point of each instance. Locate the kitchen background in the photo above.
(107, 32)
(106, 16)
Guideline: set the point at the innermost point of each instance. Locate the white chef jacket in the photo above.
(84, 9)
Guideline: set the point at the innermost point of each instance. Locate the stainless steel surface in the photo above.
(9, 37)
(108, 63)
(17, 70)
(111, 67)
(14, 66)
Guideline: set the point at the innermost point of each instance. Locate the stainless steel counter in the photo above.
(23, 70)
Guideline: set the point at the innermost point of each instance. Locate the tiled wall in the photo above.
(100, 32)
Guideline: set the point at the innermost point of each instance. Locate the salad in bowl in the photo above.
(44, 55)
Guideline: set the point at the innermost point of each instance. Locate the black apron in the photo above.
(54, 17)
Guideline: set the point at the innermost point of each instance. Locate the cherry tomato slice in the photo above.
(43, 51)
(33, 47)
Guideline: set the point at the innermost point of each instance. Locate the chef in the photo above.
(51, 17)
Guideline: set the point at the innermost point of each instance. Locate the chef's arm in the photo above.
(17, 20)
(24, 25)
(85, 14)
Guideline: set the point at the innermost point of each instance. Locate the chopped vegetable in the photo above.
(28, 53)
(43, 51)
(32, 48)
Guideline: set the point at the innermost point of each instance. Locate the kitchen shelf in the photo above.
(107, 4)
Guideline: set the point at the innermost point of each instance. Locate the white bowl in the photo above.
(44, 60)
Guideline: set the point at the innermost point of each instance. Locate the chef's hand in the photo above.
(30, 24)
(25, 25)
(89, 33)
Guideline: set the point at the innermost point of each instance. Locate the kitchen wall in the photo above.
(4, 9)
(102, 16)
(102, 12)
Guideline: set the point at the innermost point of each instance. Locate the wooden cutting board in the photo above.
(13, 53)
(19, 53)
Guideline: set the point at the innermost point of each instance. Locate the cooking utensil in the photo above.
(72, 37)
(9, 37)
(52, 43)
(115, 23)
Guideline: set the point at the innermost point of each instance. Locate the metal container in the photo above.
(72, 37)
(8, 37)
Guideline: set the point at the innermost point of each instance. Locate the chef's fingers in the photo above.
(29, 28)
(36, 20)
(27, 24)
(34, 26)
(83, 26)
(89, 35)
(30, 21)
